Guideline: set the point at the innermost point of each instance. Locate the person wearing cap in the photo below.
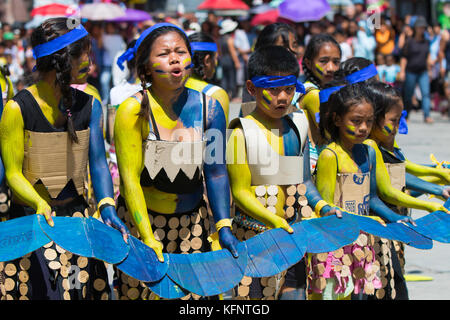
(229, 60)
(415, 63)
(54, 133)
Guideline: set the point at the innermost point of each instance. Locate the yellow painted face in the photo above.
(274, 102)
(169, 61)
(356, 124)
(326, 62)
(80, 68)
(386, 129)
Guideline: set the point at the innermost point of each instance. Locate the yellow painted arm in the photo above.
(12, 149)
(222, 97)
(326, 175)
(240, 182)
(129, 133)
(392, 195)
(311, 103)
(435, 175)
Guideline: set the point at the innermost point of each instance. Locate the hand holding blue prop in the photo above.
(228, 241)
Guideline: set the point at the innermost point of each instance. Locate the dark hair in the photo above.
(312, 50)
(199, 56)
(383, 97)
(338, 105)
(142, 57)
(272, 59)
(352, 65)
(324, 108)
(131, 64)
(270, 34)
(60, 61)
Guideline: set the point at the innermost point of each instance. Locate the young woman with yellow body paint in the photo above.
(320, 62)
(266, 195)
(162, 191)
(205, 62)
(428, 173)
(48, 111)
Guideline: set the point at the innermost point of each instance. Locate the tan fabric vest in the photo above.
(55, 160)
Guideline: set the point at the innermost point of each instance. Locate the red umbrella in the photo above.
(223, 5)
(54, 9)
(265, 18)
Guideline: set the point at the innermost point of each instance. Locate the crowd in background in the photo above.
(385, 44)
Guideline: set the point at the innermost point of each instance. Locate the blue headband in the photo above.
(59, 43)
(204, 46)
(278, 81)
(363, 74)
(324, 94)
(358, 76)
(131, 52)
(403, 125)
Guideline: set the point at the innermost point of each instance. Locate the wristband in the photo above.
(107, 200)
(319, 206)
(223, 223)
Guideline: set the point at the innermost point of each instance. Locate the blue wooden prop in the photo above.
(20, 236)
(167, 289)
(392, 231)
(86, 237)
(330, 233)
(209, 273)
(142, 262)
(273, 251)
(107, 243)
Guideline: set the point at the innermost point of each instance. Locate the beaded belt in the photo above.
(245, 221)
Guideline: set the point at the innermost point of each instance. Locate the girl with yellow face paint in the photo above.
(389, 121)
(205, 59)
(320, 63)
(44, 130)
(267, 161)
(357, 177)
(160, 136)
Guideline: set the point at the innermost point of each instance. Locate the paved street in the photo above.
(422, 140)
(417, 145)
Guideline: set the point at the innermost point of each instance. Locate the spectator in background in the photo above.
(380, 63)
(391, 71)
(415, 64)
(364, 45)
(229, 59)
(385, 38)
(96, 55)
(341, 38)
(113, 43)
(242, 45)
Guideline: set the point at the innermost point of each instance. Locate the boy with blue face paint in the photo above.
(268, 166)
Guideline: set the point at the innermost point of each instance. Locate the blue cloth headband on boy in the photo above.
(131, 52)
(278, 81)
(46, 49)
(204, 46)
